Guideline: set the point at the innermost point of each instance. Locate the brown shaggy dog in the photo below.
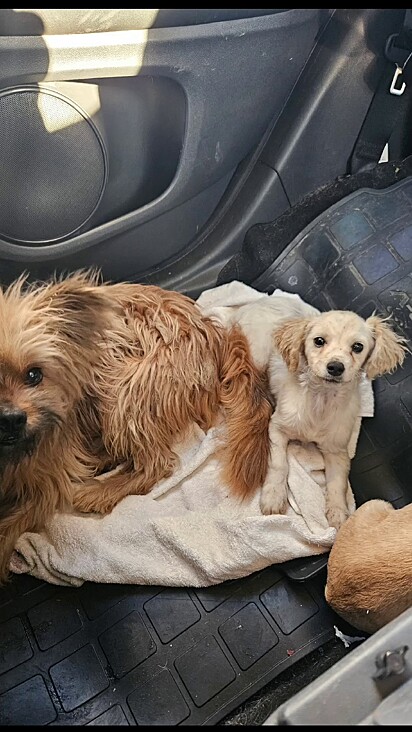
(94, 376)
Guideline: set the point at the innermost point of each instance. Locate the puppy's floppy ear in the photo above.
(389, 350)
(289, 339)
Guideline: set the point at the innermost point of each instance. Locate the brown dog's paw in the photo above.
(91, 499)
(336, 516)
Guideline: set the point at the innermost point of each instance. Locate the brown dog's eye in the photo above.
(33, 376)
(319, 342)
(357, 347)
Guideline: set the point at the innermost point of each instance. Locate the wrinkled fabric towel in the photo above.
(189, 531)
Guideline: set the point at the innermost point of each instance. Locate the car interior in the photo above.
(190, 148)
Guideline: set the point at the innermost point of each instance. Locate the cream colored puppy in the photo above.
(315, 363)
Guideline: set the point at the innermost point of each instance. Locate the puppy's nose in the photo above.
(335, 368)
(12, 421)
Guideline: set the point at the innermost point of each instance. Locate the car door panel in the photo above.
(178, 109)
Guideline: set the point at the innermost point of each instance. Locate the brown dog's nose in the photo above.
(335, 368)
(12, 422)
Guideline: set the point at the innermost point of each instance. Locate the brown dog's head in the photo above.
(336, 346)
(50, 335)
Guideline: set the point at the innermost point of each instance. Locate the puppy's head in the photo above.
(50, 335)
(336, 346)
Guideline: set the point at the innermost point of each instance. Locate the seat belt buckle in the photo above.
(400, 57)
(394, 87)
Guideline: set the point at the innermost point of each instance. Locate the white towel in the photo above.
(189, 531)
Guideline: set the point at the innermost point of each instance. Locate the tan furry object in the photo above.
(369, 578)
(95, 376)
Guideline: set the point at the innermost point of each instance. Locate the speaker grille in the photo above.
(53, 166)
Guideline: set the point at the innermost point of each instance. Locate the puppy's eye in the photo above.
(319, 342)
(33, 376)
(357, 347)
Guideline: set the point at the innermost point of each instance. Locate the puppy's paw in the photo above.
(336, 516)
(273, 501)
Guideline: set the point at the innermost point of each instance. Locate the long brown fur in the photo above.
(126, 370)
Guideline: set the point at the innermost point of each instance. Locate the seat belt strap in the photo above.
(390, 102)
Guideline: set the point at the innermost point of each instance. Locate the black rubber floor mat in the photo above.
(264, 243)
(113, 654)
(118, 655)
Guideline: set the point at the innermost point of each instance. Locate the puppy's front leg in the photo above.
(274, 496)
(336, 473)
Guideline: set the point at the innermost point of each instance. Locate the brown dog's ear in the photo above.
(289, 339)
(388, 352)
(78, 308)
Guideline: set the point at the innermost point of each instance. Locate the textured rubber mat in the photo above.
(119, 655)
